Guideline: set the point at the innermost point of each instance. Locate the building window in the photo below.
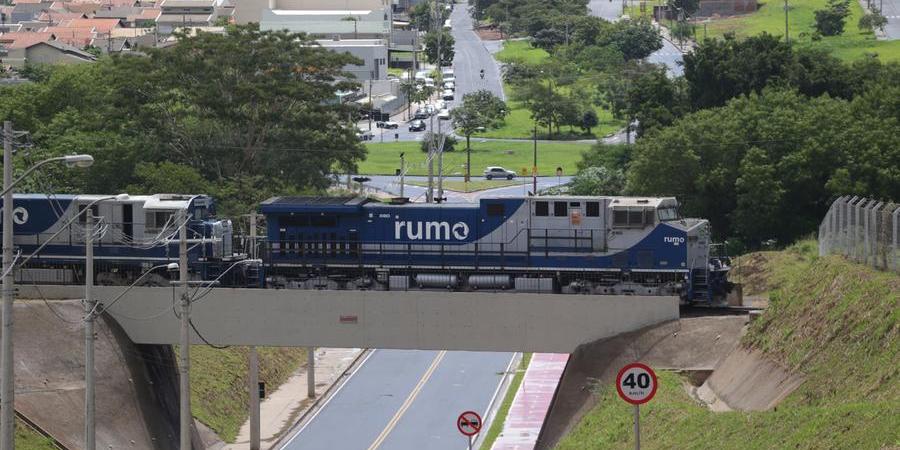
(541, 209)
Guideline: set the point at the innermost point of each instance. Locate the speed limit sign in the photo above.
(636, 383)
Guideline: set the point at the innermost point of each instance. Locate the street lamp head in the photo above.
(122, 196)
(172, 267)
(78, 160)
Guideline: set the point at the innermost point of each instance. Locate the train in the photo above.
(544, 244)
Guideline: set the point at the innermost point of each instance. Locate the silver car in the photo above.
(498, 172)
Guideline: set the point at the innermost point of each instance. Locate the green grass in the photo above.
(521, 51)
(836, 322)
(219, 395)
(520, 125)
(384, 158)
(503, 411)
(471, 186)
(770, 18)
(28, 439)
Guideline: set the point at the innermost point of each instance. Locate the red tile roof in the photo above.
(57, 17)
(76, 37)
(98, 25)
(24, 39)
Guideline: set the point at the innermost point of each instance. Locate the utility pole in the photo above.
(371, 103)
(7, 383)
(429, 194)
(787, 36)
(440, 154)
(89, 303)
(534, 168)
(184, 363)
(311, 372)
(254, 398)
(402, 171)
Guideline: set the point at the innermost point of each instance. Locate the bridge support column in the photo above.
(311, 372)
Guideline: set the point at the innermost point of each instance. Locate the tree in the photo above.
(431, 47)
(635, 38)
(421, 15)
(686, 8)
(872, 21)
(830, 21)
(597, 181)
(589, 120)
(480, 110)
(449, 142)
(548, 39)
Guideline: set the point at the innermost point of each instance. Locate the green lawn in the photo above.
(28, 439)
(219, 396)
(500, 418)
(521, 51)
(770, 18)
(519, 124)
(476, 184)
(384, 159)
(837, 322)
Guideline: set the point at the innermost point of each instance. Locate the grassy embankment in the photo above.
(219, 395)
(497, 424)
(28, 439)
(835, 321)
(769, 18)
(519, 124)
(384, 159)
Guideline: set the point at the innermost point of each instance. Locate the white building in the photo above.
(373, 53)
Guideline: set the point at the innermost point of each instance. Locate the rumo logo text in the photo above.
(428, 231)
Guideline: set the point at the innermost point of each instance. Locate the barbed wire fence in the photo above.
(864, 230)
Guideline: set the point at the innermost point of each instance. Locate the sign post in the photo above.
(469, 424)
(636, 384)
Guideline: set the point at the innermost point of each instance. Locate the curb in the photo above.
(315, 404)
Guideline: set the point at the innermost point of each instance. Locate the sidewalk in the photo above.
(284, 407)
(532, 402)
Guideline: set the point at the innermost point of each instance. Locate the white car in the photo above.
(447, 95)
(440, 104)
(444, 114)
(447, 72)
(498, 172)
(449, 85)
(430, 109)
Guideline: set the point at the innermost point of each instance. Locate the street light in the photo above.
(7, 373)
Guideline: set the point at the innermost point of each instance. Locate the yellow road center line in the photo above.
(409, 400)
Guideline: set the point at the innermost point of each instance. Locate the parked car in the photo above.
(498, 172)
(387, 125)
(430, 109)
(417, 125)
(444, 114)
(447, 95)
(364, 135)
(447, 72)
(420, 114)
(449, 85)
(440, 104)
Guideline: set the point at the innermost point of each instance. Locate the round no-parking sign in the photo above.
(469, 423)
(636, 383)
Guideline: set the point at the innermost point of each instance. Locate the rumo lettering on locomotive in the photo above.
(430, 231)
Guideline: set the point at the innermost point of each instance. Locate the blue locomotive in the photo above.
(132, 235)
(561, 244)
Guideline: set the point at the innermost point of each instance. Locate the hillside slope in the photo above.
(836, 322)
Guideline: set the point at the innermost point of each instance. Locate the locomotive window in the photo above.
(620, 217)
(593, 209)
(575, 204)
(668, 214)
(560, 209)
(82, 218)
(155, 220)
(541, 209)
(635, 217)
(495, 209)
(323, 221)
(649, 216)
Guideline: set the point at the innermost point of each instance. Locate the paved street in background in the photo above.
(405, 400)
(391, 185)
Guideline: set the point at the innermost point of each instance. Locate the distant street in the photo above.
(405, 400)
(391, 185)
(668, 55)
(891, 10)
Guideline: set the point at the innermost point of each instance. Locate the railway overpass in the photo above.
(426, 320)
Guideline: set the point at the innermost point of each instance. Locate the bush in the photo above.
(449, 141)
(830, 21)
(872, 21)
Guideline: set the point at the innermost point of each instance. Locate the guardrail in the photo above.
(864, 230)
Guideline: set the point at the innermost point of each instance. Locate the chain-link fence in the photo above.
(864, 230)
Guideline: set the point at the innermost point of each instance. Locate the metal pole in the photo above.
(470, 442)
(7, 383)
(637, 427)
(89, 385)
(254, 398)
(440, 151)
(311, 372)
(402, 172)
(184, 364)
(253, 251)
(534, 168)
(787, 36)
(429, 194)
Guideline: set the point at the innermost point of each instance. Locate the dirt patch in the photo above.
(488, 33)
(694, 344)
